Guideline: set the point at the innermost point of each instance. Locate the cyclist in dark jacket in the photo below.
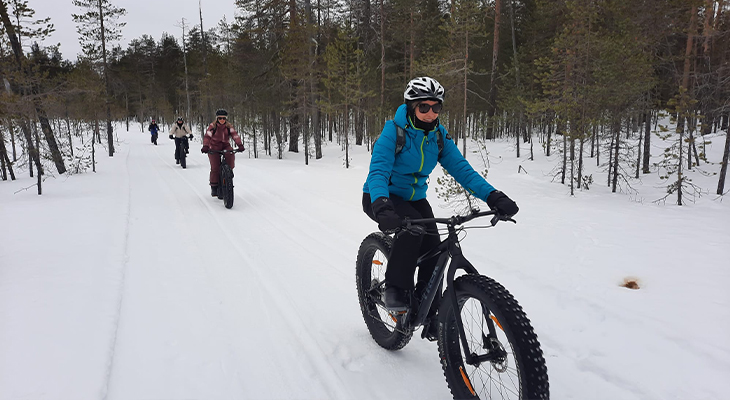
(153, 128)
(397, 183)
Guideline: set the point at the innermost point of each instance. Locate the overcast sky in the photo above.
(152, 17)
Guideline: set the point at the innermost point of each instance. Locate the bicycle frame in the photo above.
(449, 249)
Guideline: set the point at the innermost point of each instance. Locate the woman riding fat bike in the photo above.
(408, 149)
(217, 137)
(180, 132)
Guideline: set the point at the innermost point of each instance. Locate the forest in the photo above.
(580, 79)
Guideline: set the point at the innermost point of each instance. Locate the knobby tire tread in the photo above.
(227, 187)
(390, 340)
(517, 328)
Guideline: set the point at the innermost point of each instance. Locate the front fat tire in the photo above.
(227, 189)
(528, 376)
(182, 160)
(387, 334)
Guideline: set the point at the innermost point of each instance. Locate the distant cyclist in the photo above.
(217, 137)
(153, 128)
(397, 182)
(181, 133)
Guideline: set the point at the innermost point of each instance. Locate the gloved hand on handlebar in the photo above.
(240, 148)
(205, 149)
(171, 137)
(499, 202)
(190, 136)
(388, 219)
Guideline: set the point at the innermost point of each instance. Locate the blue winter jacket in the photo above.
(406, 174)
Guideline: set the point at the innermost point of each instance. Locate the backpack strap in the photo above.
(440, 140)
(400, 138)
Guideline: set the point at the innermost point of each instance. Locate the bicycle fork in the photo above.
(495, 350)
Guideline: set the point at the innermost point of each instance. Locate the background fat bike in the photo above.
(181, 150)
(225, 181)
(486, 344)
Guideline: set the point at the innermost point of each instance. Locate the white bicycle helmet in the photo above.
(424, 88)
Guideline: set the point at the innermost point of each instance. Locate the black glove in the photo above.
(388, 219)
(240, 149)
(171, 137)
(190, 136)
(205, 149)
(499, 202)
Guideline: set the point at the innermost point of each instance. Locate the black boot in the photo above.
(177, 161)
(396, 299)
(214, 190)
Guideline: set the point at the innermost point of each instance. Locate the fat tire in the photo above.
(388, 339)
(531, 369)
(182, 158)
(226, 188)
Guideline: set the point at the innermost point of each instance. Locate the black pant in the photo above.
(407, 247)
(181, 144)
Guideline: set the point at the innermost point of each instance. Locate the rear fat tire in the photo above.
(384, 335)
(529, 373)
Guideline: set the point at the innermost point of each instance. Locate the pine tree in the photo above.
(98, 27)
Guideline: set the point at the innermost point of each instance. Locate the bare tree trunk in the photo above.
(107, 86)
(208, 110)
(411, 48)
(39, 179)
(647, 142)
(638, 157)
(466, 75)
(19, 58)
(617, 144)
(548, 143)
(565, 159)
(572, 163)
(580, 158)
(6, 164)
(723, 168)
(491, 104)
(382, 59)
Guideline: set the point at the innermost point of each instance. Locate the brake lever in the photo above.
(415, 230)
(497, 217)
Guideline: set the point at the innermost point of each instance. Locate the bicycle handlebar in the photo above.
(455, 220)
(223, 151)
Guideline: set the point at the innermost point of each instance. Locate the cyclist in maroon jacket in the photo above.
(217, 137)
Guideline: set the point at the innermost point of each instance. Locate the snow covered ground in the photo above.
(134, 283)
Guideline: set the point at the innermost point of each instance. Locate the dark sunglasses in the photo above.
(223, 118)
(423, 108)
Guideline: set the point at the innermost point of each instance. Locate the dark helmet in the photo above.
(222, 112)
(180, 119)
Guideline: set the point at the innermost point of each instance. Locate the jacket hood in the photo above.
(401, 116)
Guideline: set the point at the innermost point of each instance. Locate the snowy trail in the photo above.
(227, 313)
(133, 282)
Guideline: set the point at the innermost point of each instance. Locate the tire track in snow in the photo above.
(123, 272)
(315, 353)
